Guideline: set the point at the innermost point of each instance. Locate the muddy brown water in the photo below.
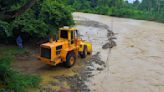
(136, 64)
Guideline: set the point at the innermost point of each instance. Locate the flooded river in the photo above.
(136, 64)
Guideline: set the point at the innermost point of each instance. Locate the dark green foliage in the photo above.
(145, 10)
(45, 17)
(55, 15)
(6, 4)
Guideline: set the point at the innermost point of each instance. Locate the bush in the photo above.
(104, 10)
(123, 12)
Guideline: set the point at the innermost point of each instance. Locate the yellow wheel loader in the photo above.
(66, 49)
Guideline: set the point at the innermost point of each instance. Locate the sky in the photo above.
(131, 1)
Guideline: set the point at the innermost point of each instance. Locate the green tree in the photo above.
(6, 5)
(36, 19)
(136, 4)
(148, 5)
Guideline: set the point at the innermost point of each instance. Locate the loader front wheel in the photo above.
(70, 60)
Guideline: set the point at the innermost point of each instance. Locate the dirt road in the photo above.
(136, 64)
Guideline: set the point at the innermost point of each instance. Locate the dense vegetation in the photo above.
(32, 19)
(146, 10)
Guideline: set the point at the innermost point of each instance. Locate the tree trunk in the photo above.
(18, 12)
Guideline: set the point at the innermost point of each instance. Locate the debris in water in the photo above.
(99, 69)
(111, 43)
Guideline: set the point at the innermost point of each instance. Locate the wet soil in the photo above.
(79, 80)
(59, 78)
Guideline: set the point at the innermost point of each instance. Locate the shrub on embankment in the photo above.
(43, 18)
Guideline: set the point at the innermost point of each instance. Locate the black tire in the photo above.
(68, 62)
(84, 53)
(90, 53)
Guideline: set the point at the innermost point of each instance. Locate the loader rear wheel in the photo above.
(70, 60)
(84, 53)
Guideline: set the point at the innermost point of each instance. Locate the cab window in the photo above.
(64, 34)
(72, 37)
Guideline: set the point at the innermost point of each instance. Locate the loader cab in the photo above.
(69, 34)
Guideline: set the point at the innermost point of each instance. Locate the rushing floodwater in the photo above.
(136, 64)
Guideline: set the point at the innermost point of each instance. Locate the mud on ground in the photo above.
(60, 79)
